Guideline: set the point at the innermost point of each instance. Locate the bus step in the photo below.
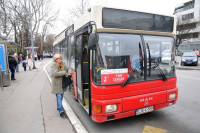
(86, 102)
(86, 98)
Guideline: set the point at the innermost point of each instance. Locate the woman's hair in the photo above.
(14, 57)
(57, 56)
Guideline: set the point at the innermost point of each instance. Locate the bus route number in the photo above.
(113, 78)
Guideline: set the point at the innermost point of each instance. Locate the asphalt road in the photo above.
(183, 117)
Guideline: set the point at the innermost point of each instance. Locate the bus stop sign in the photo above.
(2, 58)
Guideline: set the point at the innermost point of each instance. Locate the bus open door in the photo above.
(82, 69)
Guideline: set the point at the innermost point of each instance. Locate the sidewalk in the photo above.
(27, 106)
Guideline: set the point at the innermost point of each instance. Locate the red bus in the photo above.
(123, 62)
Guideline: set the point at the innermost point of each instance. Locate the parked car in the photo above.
(47, 55)
(189, 58)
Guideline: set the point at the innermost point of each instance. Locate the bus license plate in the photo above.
(144, 110)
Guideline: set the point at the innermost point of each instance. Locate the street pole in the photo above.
(30, 22)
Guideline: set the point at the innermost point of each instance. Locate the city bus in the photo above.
(122, 62)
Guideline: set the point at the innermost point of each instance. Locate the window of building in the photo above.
(185, 7)
(186, 26)
(195, 35)
(188, 16)
(189, 35)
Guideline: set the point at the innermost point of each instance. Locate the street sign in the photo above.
(2, 57)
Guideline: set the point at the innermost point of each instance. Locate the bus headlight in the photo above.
(172, 95)
(111, 108)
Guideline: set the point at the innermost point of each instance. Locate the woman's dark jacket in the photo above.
(12, 62)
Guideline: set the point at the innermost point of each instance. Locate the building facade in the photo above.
(188, 25)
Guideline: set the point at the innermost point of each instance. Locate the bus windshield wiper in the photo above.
(127, 80)
(161, 72)
(130, 77)
(156, 65)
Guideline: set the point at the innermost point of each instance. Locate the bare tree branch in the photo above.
(14, 18)
(183, 28)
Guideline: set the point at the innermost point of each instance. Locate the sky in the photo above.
(153, 6)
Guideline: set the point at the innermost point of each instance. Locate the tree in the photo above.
(48, 44)
(183, 29)
(37, 41)
(75, 12)
(79, 9)
(48, 23)
(4, 18)
(14, 15)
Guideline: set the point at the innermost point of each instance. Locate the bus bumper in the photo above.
(109, 117)
(127, 106)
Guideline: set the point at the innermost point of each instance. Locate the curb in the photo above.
(186, 68)
(178, 66)
(70, 113)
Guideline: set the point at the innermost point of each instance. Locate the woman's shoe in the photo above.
(63, 115)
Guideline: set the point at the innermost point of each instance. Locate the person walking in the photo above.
(24, 64)
(16, 57)
(29, 62)
(20, 58)
(12, 65)
(58, 70)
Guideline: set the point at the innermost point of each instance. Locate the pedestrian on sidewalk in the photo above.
(12, 65)
(29, 62)
(20, 58)
(24, 64)
(58, 70)
(16, 57)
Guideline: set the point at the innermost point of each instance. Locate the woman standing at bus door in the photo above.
(58, 70)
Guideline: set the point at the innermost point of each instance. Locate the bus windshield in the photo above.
(119, 56)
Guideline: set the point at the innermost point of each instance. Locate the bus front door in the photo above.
(82, 69)
(78, 67)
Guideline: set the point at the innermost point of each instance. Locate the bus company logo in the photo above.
(146, 100)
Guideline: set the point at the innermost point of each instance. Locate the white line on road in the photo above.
(189, 77)
(47, 72)
(70, 113)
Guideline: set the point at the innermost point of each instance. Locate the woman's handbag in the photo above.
(66, 81)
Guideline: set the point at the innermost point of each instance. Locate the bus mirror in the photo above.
(91, 41)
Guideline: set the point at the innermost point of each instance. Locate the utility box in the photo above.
(4, 66)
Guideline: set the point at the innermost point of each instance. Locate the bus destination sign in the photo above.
(114, 76)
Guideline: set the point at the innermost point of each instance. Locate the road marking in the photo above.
(189, 77)
(44, 68)
(70, 113)
(149, 129)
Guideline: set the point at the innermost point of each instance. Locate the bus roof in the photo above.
(97, 15)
